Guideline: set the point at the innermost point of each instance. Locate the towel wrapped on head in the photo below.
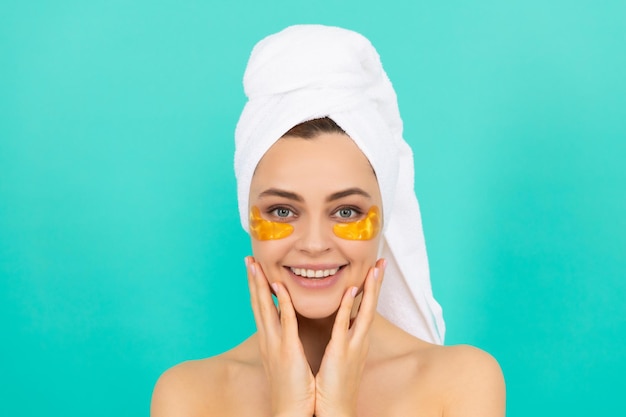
(307, 72)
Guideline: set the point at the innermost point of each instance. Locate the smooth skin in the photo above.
(295, 391)
(326, 352)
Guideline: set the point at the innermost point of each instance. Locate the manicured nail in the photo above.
(253, 270)
(246, 259)
(375, 273)
(384, 264)
(275, 287)
(353, 291)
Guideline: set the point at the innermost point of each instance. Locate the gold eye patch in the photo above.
(364, 229)
(262, 229)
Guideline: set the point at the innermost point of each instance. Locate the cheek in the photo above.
(270, 254)
(362, 253)
(270, 251)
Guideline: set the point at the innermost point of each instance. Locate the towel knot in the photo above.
(298, 58)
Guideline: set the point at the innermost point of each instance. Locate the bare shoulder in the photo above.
(413, 377)
(182, 390)
(200, 387)
(471, 381)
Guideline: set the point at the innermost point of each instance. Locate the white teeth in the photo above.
(314, 273)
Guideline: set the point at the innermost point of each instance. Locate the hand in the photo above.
(291, 382)
(337, 382)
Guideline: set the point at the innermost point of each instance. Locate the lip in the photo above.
(317, 283)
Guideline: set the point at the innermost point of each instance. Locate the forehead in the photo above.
(328, 161)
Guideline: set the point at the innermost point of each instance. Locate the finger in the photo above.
(342, 319)
(371, 291)
(288, 320)
(264, 295)
(254, 300)
(265, 305)
(380, 263)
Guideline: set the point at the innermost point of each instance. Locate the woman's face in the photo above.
(313, 184)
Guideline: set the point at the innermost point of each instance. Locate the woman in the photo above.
(326, 192)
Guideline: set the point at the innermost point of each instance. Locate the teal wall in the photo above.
(120, 248)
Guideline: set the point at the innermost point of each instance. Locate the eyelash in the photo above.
(272, 211)
(355, 211)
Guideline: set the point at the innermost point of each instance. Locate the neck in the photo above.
(315, 335)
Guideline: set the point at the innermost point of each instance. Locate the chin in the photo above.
(316, 309)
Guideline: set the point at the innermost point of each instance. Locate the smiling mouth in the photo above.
(315, 273)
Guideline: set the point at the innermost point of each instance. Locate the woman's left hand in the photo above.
(338, 380)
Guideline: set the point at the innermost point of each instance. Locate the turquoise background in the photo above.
(120, 248)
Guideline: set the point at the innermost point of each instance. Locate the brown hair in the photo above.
(312, 128)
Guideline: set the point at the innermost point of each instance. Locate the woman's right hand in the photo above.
(291, 382)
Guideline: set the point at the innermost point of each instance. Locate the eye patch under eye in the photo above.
(262, 229)
(364, 229)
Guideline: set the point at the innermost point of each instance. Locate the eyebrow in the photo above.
(275, 192)
(281, 193)
(346, 193)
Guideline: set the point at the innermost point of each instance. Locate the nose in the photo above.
(313, 237)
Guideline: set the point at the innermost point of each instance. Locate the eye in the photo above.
(282, 212)
(347, 213)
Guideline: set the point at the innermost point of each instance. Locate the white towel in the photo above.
(311, 71)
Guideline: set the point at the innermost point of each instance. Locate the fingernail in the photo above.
(384, 264)
(353, 291)
(253, 270)
(246, 259)
(375, 273)
(274, 287)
